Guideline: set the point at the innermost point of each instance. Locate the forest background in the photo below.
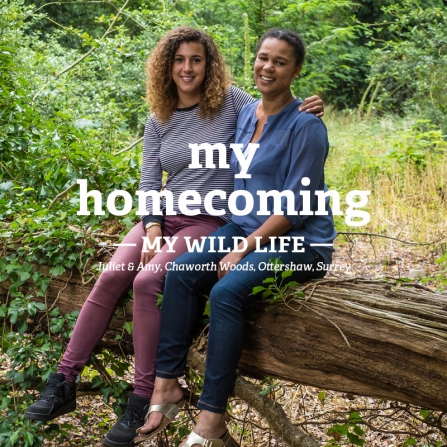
(72, 106)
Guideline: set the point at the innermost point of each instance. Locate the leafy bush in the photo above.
(412, 66)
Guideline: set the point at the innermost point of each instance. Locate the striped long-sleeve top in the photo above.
(166, 148)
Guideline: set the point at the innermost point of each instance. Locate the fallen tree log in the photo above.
(375, 338)
(378, 338)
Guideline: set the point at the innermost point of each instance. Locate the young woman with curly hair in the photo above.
(192, 101)
(162, 89)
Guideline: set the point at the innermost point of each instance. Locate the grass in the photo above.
(402, 161)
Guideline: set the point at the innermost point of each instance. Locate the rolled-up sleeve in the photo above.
(308, 154)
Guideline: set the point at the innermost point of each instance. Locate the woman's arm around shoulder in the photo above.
(239, 98)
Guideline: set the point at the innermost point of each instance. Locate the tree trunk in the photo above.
(377, 338)
(397, 339)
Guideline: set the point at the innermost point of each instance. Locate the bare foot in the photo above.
(166, 391)
(209, 426)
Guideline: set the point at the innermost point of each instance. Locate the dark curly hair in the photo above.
(292, 38)
(161, 89)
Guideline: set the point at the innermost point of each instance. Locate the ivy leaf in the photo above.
(267, 293)
(6, 186)
(128, 327)
(22, 327)
(355, 417)
(57, 270)
(207, 310)
(13, 316)
(29, 438)
(24, 275)
(14, 437)
(19, 377)
(96, 382)
(57, 324)
(424, 413)
(358, 430)
(354, 439)
(40, 306)
(257, 289)
(5, 402)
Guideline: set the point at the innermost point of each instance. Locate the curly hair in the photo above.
(161, 89)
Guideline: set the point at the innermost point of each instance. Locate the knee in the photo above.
(112, 280)
(225, 299)
(147, 284)
(183, 272)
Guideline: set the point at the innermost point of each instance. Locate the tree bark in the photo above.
(397, 339)
(376, 338)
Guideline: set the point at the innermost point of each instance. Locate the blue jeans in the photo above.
(228, 298)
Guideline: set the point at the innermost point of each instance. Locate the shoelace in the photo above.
(51, 391)
(132, 414)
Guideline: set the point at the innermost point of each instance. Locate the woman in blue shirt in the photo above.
(288, 161)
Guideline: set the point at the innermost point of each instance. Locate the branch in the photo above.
(390, 237)
(65, 3)
(78, 61)
(274, 415)
(12, 177)
(89, 1)
(103, 374)
(61, 194)
(109, 30)
(130, 147)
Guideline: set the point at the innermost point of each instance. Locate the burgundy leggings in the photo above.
(147, 283)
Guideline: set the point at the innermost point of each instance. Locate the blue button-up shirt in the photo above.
(293, 145)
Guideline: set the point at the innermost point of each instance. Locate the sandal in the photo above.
(225, 441)
(169, 411)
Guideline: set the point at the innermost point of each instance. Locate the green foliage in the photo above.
(412, 64)
(374, 150)
(32, 354)
(350, 431)
(441, 277)
(276, 287)
(335, 67)
(417, 143)
(49, 137)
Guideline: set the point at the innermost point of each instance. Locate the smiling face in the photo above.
(275, 67)
(188, 71)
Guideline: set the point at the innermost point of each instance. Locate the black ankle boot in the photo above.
(58, 397)
(124, 431)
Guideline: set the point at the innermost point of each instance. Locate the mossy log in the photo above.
(377, 338)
